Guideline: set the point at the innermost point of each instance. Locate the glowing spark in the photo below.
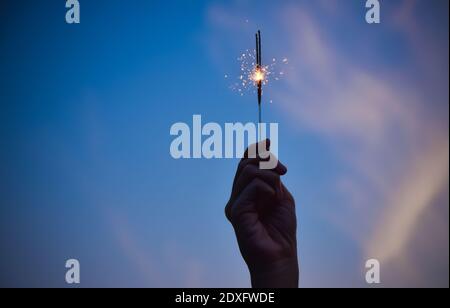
(259, 75)
(248, 75)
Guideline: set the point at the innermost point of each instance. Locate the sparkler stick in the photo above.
(254, 74)
(259, 77)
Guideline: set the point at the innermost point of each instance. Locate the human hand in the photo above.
(262, 212)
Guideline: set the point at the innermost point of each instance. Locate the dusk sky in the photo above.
(86, 111)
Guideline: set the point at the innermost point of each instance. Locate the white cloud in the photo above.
(374, 120)
(381, 118)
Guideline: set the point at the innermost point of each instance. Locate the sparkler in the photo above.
(258, 77)
(253, 75)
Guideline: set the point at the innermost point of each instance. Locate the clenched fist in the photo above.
(262, 212)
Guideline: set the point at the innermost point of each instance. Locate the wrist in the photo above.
(281, 274)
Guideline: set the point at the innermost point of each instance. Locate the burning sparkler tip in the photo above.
(252, 74)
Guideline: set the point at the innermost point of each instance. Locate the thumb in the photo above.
(257, 149)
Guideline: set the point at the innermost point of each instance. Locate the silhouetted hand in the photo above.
(262, 212)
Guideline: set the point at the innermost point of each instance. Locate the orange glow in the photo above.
(258, 75)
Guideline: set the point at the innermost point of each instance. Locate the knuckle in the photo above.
(227, 211)
(249, 170)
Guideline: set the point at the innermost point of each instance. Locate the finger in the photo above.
(245, 203)
(254, 157)
(271, 163)
(251, 172)
(280, 169)
(253, 149)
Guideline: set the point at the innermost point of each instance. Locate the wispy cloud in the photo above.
(421, 184)
(379, 122)
(380, 117)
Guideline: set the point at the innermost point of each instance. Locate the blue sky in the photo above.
(86, 172)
